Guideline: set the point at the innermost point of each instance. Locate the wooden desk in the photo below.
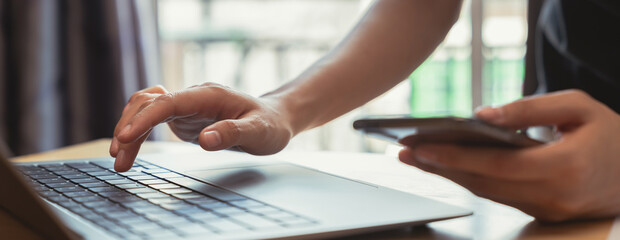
(490, 220)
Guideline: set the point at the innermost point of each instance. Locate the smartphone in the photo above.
(453, 130)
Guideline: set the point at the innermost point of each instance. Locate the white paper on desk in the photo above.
(614, 234)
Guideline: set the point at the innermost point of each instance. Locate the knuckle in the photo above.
(216, 88)
(144, 104)
(166, 98)
(160, 89)
(139, 97)
(233, 130)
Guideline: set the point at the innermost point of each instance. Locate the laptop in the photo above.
(210, 195)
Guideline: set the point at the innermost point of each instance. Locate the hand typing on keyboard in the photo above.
(211, 115)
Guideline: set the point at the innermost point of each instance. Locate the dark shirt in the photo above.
(578, 46)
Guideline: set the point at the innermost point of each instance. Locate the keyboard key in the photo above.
(152, 182)
(104, 189)
(53, 180)
(141, 190)
(120, 199)
(99, 204)
(155, 170)
(66, 172)
(152, 195)
(50, 193)
(86, 180)
(193, 229)
(101, 173)
(115, 194)
(133, 220)
(59, 199)
(207, 189)
(41, 188)
(79, 165)
(142, 177)
(188, 195)
(159, 215)
(76, 176)
(264, 209)
(213, 205)
(203, 216)
(131, 185)
(255, 222)
(174, 221)
(110, 208)
(177, 206)
(87, 199)
(166, 186)
(70, 189)
(141, 204)
(121, 232)
(167, 200)
(104, 164)
(191, 211)
(120, 181)
(94, 184)
(43, 176)
(228, 211)
(70, 204)
(90, 169)
(110, 177)
(281, 215)
(168, 175)
(247, 203)
(79, 194)
(201, 200)
(225, 225)
(120, 214)
(150, 210)
(61, 185)
(175, 190)
(51, 165)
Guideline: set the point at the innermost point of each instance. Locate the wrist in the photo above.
(286, 112)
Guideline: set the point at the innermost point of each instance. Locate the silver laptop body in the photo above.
(211, 195)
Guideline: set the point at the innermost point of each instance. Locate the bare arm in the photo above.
(392, 40)
(388, 44)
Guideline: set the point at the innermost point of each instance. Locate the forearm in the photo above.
(393, 39)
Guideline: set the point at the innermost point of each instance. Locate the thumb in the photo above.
(245, 133)
(561, 108)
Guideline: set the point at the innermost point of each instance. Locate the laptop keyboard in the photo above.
(152, 202)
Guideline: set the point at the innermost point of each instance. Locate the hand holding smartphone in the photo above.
(453, 130)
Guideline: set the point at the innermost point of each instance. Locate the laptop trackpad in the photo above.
(286, 185)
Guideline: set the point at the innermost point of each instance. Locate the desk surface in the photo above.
(490, 220)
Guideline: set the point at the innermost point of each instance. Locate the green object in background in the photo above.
(443, 87)
(502, 80)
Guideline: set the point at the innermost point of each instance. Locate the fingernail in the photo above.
(490, 114)
(119, 159)
(213, 139)
(114, 146)
(425, 156)
(125, 130)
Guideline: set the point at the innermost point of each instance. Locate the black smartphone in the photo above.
(454, 130)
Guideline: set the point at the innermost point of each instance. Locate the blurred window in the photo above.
(256, 45)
